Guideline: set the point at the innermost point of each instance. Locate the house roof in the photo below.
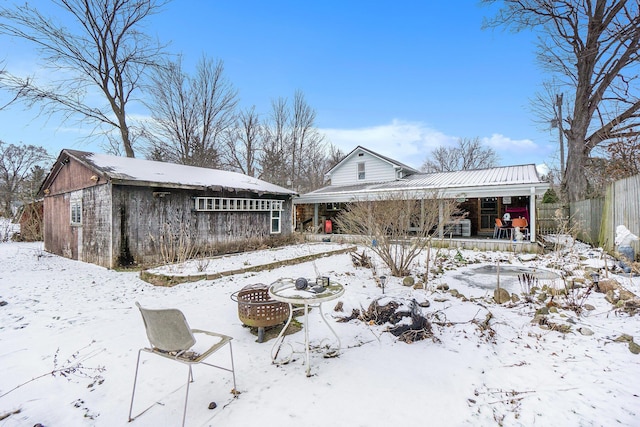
(393, 162)
(519, 180)
(140, 172)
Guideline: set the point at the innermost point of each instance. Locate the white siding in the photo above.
(376, 170)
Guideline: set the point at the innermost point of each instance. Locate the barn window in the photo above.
(275, 222)
(361, 170)
(76, 212)
(208, 204)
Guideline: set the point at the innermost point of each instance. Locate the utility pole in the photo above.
(560, 134)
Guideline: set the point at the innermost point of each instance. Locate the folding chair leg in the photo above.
(135, 380)
(233, 369)
(186, 397)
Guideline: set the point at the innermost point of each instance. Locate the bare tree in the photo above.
(17, 166)
(468, 154)
(395, 226)
(98, 46)
(592, 48)
(293, 146)
(190, 114)
(243, 143)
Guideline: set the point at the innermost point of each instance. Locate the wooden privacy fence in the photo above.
(621, 207)
(595, 220)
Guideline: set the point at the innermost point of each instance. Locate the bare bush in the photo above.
(396, 226)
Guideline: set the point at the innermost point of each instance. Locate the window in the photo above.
(361, 170)
(228, 204)
(275, 222)
(76, 212)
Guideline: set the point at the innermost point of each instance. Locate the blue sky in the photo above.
(399, 78)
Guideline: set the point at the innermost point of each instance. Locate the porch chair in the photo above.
(171, 337)
(501, 230)
(523, 225)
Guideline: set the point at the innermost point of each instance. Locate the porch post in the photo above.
(532, 215)
(315, 218)
(440, 219)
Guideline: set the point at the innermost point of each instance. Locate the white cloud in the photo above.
(407, 142)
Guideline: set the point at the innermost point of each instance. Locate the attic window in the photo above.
(361, 171)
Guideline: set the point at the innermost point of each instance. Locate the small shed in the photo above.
(116, 211)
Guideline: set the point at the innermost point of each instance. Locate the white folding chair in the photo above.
(171, 337)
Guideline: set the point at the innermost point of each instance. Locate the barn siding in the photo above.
(96, 225)
(144, 223)
(60, 237)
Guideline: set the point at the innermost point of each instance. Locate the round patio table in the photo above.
(285, 290)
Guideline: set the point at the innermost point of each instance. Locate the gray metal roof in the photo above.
(519, 180)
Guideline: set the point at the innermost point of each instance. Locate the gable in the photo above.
(376, 169)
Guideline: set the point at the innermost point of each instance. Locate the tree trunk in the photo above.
(575, 183)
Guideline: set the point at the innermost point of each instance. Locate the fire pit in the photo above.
(257, 309)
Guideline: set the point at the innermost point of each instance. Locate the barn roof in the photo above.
(140, 172)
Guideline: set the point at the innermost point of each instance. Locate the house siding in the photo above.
(376, 170)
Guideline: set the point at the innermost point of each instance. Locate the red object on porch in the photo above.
(518, 212)
(328, 226)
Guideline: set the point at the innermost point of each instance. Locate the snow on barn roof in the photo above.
(127, 170)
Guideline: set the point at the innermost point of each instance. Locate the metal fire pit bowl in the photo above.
(258, 310)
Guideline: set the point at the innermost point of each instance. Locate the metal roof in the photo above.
(519, 180)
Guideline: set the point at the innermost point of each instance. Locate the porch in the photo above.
(476, 242)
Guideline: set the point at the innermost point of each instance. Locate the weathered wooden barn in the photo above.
(117, 211)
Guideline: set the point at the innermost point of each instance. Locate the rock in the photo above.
(585, 331)
(515, 298)
(213, 405)
(624, 338)
(442, 287)
(454, 293)
(424, 304)
(3, 303)
(542, 310)
(553, 309)
(408, 281)
(588, 307)
(626, 295)
(501, 295)
(634, 348)
(419, 285)
(606, 285)
(611, 298)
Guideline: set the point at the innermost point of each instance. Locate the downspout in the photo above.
(315, 218)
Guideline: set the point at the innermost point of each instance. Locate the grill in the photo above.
(257, 310)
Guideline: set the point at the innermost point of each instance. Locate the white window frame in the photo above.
(75, 211)
(226, 204)
(275, 222)
(361, 171)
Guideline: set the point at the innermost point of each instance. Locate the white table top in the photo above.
(285, 290)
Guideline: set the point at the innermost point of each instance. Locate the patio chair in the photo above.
(171, 337)
(501, 230)
(522, 224)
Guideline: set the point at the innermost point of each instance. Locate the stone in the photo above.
(585, 331)
(213, 405)
(606, 285)
(588, 307)
(610, 297)
(553, 309)
(626, 295)
(454, 293)
(3, 303)
(501, 295)
(408, 281)
(542, 310)
(624, 338)
(634, 348)
(419, 285)
(424, 304)
(442, 287)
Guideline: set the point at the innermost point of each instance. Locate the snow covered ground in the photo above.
(80, 320)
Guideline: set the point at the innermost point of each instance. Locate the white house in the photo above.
(485, 194)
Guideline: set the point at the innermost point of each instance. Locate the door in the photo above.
(488, 214)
